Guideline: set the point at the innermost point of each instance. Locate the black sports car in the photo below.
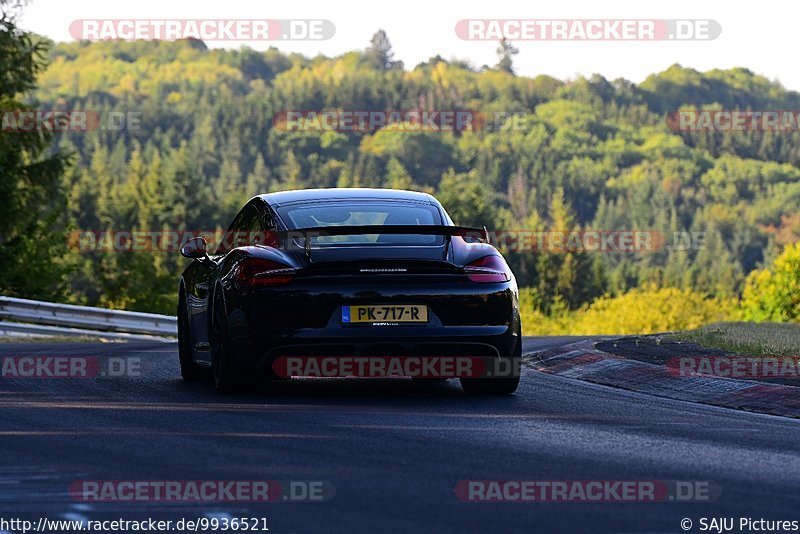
(344, 274)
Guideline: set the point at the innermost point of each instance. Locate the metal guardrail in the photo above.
(33, 317)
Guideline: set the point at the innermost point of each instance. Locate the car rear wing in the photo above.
(306, 234)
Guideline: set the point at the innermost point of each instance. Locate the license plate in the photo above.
(396, 313)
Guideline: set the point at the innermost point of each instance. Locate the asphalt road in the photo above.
(394, 450)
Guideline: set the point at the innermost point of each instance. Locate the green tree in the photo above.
(602, 146)
(468, 201)
(32, 199)
(773, 294)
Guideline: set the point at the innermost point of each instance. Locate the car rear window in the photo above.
(328, 214)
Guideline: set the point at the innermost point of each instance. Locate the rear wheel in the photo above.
(190, 372)
(227, 375)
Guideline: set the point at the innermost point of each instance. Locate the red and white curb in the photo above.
(583, 361)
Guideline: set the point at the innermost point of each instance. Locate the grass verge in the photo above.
(748, 339)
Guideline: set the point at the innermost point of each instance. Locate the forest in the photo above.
(591, 154)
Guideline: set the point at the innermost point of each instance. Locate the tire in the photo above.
(190, 372)
(226, 374)
(505, 385)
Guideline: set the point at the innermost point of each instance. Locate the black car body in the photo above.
(250, 303)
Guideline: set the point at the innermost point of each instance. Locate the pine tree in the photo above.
(505, 56)
(380, 52)
(397, 176)
(32, 199)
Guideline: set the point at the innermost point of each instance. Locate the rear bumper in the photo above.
(480, 320)
(500, 343)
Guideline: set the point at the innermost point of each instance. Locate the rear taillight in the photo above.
(258, 272)
(488, 269)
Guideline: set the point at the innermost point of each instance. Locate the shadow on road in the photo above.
(354, 393)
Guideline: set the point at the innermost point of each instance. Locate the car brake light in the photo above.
(488, 269)
(259, 272)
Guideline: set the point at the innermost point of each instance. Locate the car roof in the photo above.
(343, 193)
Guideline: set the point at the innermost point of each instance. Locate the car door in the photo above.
(201, 277)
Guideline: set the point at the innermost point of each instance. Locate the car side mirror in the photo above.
(194, 248)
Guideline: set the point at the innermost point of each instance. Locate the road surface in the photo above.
(392, 449)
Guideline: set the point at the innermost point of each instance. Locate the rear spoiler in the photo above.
(392, 229)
